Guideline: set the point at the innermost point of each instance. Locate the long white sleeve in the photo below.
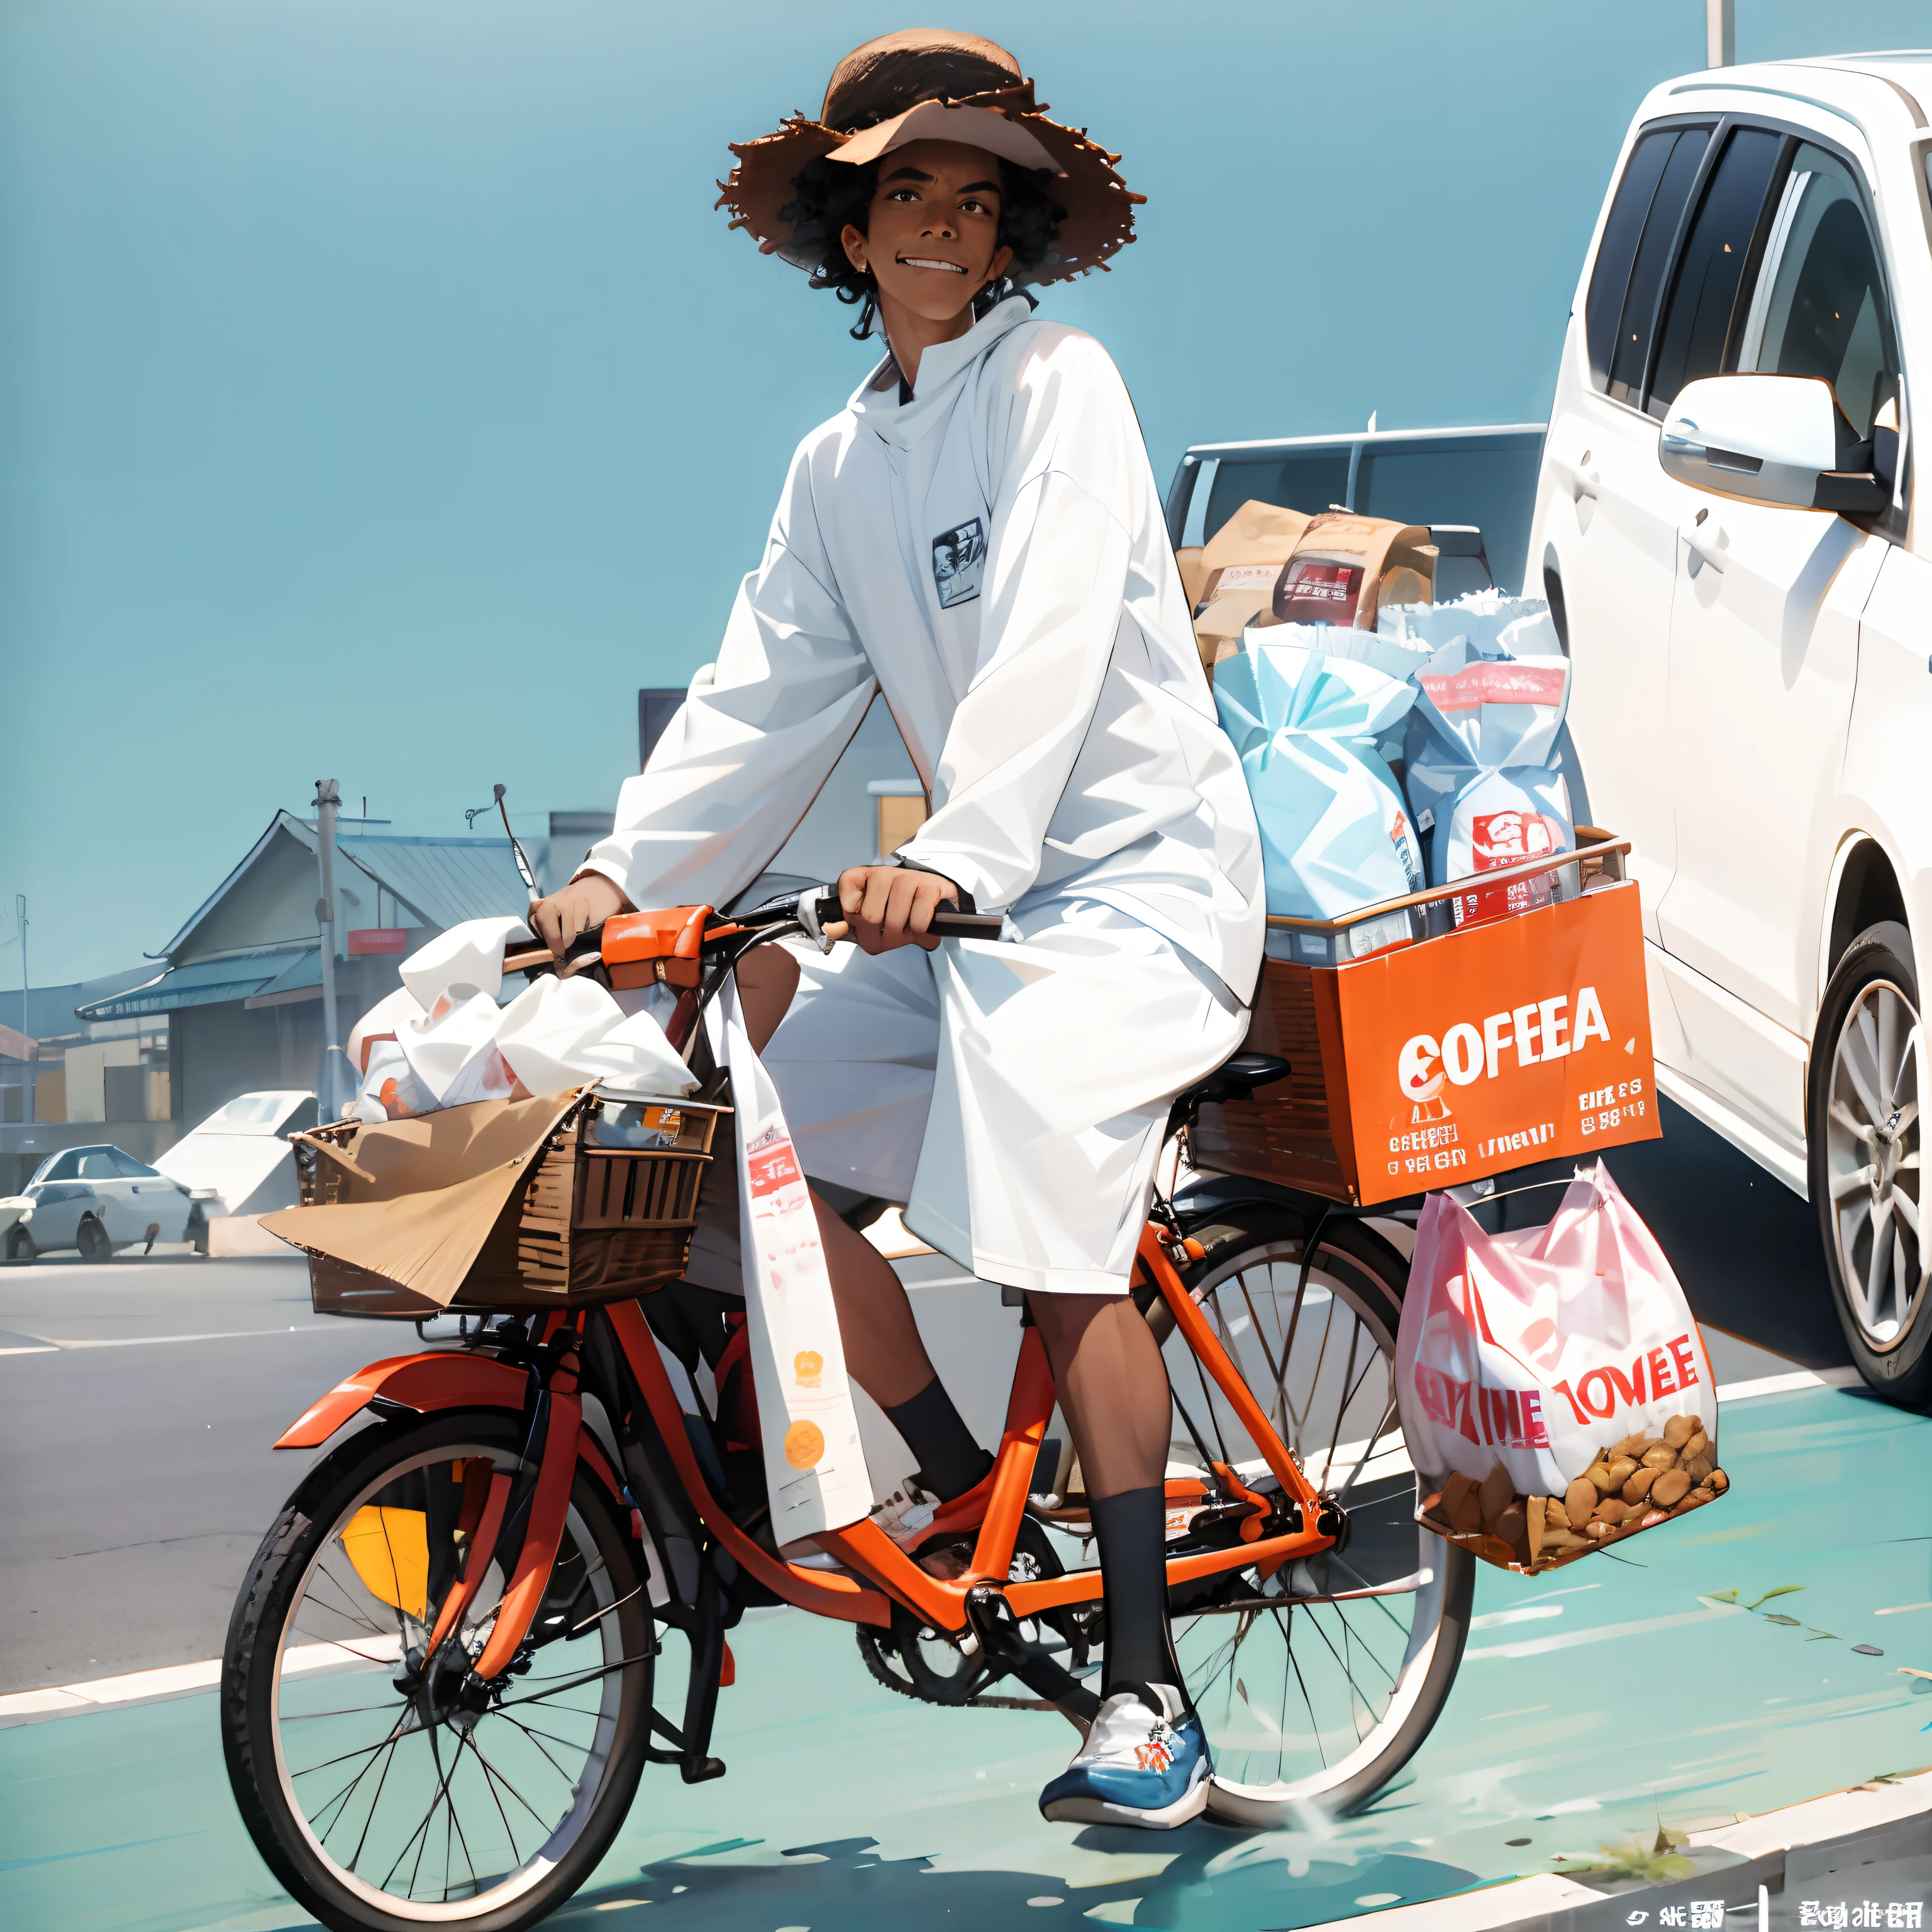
(744, 756)
(1058, 554)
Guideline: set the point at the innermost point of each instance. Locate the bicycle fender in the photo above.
(443, 1379)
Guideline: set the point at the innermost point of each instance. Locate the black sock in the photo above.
(1132, 1530)
(949, 1461)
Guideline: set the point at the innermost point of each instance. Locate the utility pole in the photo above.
(26, 1031)
(1720, 33)
(328, 1103)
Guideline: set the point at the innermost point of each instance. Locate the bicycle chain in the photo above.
(882, 1673)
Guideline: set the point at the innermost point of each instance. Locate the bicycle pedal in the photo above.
(701, 1771)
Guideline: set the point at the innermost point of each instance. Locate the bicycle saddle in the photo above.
(1236, 1078)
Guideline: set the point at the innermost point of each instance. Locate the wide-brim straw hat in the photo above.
(926, 84)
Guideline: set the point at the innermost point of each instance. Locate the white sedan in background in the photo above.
(96, 1199)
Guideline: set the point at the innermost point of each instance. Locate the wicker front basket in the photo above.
(592, 1222)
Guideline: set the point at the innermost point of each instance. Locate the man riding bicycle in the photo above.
(978, 536)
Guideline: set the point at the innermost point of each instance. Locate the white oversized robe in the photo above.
(990, 556)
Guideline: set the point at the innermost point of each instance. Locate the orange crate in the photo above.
(1431, 1064)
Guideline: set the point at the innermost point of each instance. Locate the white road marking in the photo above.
(1529, 1613)
(1787, 1385)
(61, 1342)
(171, 1680)
(1570, 1639)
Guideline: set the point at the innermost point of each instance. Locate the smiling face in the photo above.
(932, 240)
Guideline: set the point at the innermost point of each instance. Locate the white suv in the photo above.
(1724, 527)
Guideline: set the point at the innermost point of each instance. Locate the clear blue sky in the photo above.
(379, 395)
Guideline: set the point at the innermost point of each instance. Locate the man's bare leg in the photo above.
(1113, 1389)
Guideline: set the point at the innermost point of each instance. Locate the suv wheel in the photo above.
(93, 1243)
(19, 1245)
(1866, 1081)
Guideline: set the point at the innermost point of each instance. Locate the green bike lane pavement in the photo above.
(1634, 1690)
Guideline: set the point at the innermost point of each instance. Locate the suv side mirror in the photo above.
(1770, 440)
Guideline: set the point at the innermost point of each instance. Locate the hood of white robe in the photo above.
(943, 370)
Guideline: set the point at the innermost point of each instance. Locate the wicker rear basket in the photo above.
(1331, 1126)
(592, 1221)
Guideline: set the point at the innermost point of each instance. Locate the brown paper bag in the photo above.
(416, 1199)
(1344, 567)
(1267, 564)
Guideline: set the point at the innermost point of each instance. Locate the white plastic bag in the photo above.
(1519, 626)
(466, 959)
(1524, 1360)
(441, 1040)
(561, 1033)
(1335, 834)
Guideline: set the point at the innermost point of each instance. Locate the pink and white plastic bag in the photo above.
(1536, 1353)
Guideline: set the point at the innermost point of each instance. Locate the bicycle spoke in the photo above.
(535, 1738)
(349, 1608)
(575, 1683)
(355, 1856)
(1260, 1334)
(489, 1785)
(490, 1771)
(570, 1743)
(1314, 1722)
(1335, 1434)
(362, 1750)
(441, 1792)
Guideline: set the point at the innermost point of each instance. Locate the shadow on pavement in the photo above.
(1232, 1882)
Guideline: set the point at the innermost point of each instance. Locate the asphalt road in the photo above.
(138, 1400)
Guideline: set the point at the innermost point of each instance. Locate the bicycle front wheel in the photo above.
(1316, 1684)
(379, 1794)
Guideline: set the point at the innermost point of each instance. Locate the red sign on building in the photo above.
(371, 939)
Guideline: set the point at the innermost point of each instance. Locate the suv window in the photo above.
(1631, 354)
(1307, 483)
(58, 1167)
(1610, 277)
(1819, 306)
(1697, 325)
(131, 1169)
(97, 1164)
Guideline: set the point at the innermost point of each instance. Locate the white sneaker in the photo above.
(1140, 1765)
(907, 1514)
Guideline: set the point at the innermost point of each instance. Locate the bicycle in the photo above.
(437, 1696)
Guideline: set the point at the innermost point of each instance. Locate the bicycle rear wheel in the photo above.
(380, 1795)
(1317, 1684)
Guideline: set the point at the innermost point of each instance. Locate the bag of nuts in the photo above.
(1555, 1391)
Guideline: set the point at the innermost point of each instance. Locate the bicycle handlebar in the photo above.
(808, 912)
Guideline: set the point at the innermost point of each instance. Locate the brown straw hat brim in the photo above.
(1100, 205)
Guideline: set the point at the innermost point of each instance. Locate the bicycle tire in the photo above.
(1358, 1266)
(254, 1673)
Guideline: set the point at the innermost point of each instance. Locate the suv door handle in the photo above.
(1705, 543)
(1578, 480)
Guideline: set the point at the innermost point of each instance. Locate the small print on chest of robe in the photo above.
(958, 557)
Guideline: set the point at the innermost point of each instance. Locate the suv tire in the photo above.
(92, 1241)
(1866, 1064)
